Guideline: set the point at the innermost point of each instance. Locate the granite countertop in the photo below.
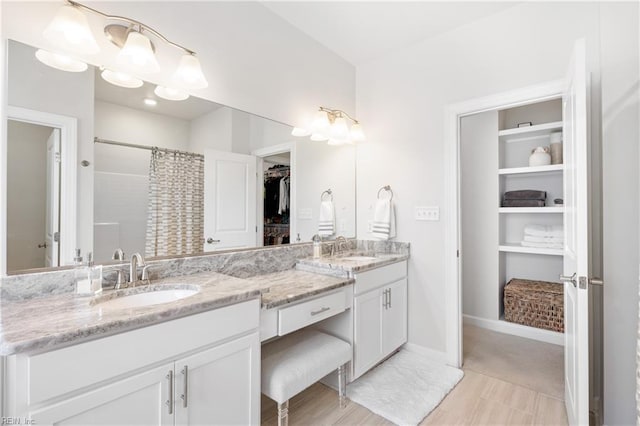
(342, 265)
(280, 288)
(55, 321)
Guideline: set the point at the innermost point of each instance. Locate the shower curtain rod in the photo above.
(148, 148)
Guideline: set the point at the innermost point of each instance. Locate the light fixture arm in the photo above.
(132, 22)
(337, 113)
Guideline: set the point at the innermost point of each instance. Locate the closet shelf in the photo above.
(527, 133)
(518, 248)
(531, 209)
(553, 168)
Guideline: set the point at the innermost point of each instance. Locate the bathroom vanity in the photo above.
(126, 359)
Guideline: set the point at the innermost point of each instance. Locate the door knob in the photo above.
(211, 241)
(571, 279)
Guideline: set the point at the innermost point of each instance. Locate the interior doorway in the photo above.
(276, 170)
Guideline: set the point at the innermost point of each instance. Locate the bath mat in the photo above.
(405, 388)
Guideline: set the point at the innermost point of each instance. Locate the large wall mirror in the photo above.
(169, 178)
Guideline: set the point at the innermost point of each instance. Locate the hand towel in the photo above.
(544, 230)
(326, 219)
(525, 194)
(542, 245)
(283, 204)
(384, 220)
(535, 239)
(523, 203)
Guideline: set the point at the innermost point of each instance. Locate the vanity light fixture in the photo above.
(61, 62)
(332, 125)
(69, 32)
(170, 94)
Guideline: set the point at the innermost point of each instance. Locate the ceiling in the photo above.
(134, 98)
(360, 31)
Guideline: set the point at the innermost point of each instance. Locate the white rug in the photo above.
(405, 388)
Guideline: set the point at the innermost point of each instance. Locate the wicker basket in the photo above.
(534, 303)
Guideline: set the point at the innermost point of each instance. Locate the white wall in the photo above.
(401, 99)
(212, 131)
(479, 227)
(39, 87)
(620, 140)
(26, 196)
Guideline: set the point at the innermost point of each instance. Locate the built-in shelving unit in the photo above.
(552, 168)
(531, 210)
(519, 248)
(526, 133)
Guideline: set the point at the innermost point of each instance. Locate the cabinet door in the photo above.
(394, 318)
(367, 339)
(220, 385)
(138, 400)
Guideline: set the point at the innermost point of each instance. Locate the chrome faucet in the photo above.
(118, 255)
(339, 244)
(136, 260)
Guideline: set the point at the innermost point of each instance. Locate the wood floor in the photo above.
(479, 399)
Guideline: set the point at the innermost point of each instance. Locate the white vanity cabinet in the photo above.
(380, 315)
(200, 369)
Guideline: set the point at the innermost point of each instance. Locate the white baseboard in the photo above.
(432, 354)
(506, 327)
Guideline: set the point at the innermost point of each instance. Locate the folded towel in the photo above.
(384, 220)
(534, 239)
(522, 203)
(326, 219)
(542, 245)
(525, 194)
(544, 230)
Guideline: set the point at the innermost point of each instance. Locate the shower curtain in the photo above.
(175, 217)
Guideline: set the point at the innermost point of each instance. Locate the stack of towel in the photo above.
(543, 236)
(524, 198)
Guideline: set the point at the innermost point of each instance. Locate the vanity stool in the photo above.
(296, 361)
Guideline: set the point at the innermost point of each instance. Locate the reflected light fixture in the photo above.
(60, 62)
(69, 32)
(332, 125)
(170, 94)
(121, 79)
(150, 102)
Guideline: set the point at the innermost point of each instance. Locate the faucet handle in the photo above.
(145, 274)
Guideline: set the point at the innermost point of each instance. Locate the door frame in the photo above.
(452, 274)
(68, 177)
(287, 147)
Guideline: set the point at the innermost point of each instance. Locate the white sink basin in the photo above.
(359, 258)
(148, 298)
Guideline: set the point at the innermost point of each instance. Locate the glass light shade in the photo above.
(299, 131)
(339, 129)
(356, 133)
(137, 55)
(319, 137)
(189, 74)
(61, 62)
(320, 123)
(121, 79)
(69, 30)
(170, 93)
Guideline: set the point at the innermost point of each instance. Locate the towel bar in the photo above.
(386, 188)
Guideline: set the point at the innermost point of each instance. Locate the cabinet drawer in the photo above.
(301, 315)
(369, 280)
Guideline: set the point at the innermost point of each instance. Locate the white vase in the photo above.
(540, 157)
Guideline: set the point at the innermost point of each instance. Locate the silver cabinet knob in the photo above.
(211, 241)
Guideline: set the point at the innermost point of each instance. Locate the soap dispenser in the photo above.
(95, 276)
(83, 286)
(317, 246)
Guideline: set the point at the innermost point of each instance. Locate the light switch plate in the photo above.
(427, 213)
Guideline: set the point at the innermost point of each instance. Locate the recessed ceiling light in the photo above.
(150, 102)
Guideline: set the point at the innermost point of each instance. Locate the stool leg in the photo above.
(342, 385)
(283, 414)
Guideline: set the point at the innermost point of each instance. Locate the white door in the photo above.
(221, 385)
(394, 317)
(139, 400)
(576, 248)
(52, 225)
(229, 200)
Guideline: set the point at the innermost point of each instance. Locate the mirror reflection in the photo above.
(169, 177)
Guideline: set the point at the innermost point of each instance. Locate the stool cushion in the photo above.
(296, 361)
